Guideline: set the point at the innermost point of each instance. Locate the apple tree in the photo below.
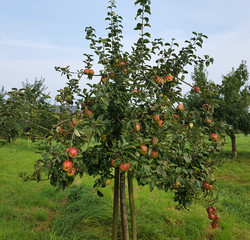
(234, 103)
(130, 120)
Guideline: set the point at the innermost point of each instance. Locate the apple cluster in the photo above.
(212, 215)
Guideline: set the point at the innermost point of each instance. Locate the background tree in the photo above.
(234, 103)
(26, 112)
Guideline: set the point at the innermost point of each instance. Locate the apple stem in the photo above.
(116, 205)
(124, 220)
(132, 204)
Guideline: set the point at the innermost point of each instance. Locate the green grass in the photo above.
(36, 211)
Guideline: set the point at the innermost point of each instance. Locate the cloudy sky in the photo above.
(37, 35)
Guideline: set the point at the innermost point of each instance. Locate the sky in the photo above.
(36, 36)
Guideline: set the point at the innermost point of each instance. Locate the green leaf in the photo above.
(76, 132)
(187, 158)
(153, 181)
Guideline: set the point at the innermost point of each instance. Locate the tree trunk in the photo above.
(124, 220)
(132, 205)
(116, 205)
(233, 140)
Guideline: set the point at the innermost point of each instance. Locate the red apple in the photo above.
(123, 64)
(197, 89)
(214, 225)
(206, 185)
(144, 149)
(154, 154)
(88, 112)
(218, 219)
(67, 165)
(213, 136)
(180, 107)
(169, 78)
(210, 210)
(134, 91)
(214, 208)
(124, 167)
(207, 120)
(91, 71)
(71, 173)
(161, 124)
(159, 80)
(176, 115)
(211, 187)
(137, 127)
(72, 152)
(156, 118)
(211, 216)
(86, 71)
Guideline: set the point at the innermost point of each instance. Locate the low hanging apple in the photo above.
(67, 165)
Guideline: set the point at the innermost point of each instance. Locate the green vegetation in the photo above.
(37, 211)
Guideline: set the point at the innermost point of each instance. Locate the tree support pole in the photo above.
(132, 205)
(124, 220)
(116, 205)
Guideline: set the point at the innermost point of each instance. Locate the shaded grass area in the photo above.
(36, 211)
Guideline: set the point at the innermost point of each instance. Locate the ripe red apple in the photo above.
(88, 112)
(213, 136)
(207, 120)
(72, 152)
(71, 173)
(134, 91)
(211, 187)
(86, 71)
(67, 165)
(218, 219)
(156, 118)
(169, 78)
(180, 107)
(214, 225)
(122, 64)
(154, 154)
(197, 89)
(91, 71)
(210, 210)
(206, 185)
(161, 124)
(211, 216)
(137, 127)
(214, 208)
(144, 149)
(124, 167)
(176, 115)
(113, 162)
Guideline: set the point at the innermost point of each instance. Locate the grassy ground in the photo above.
(36, 211)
